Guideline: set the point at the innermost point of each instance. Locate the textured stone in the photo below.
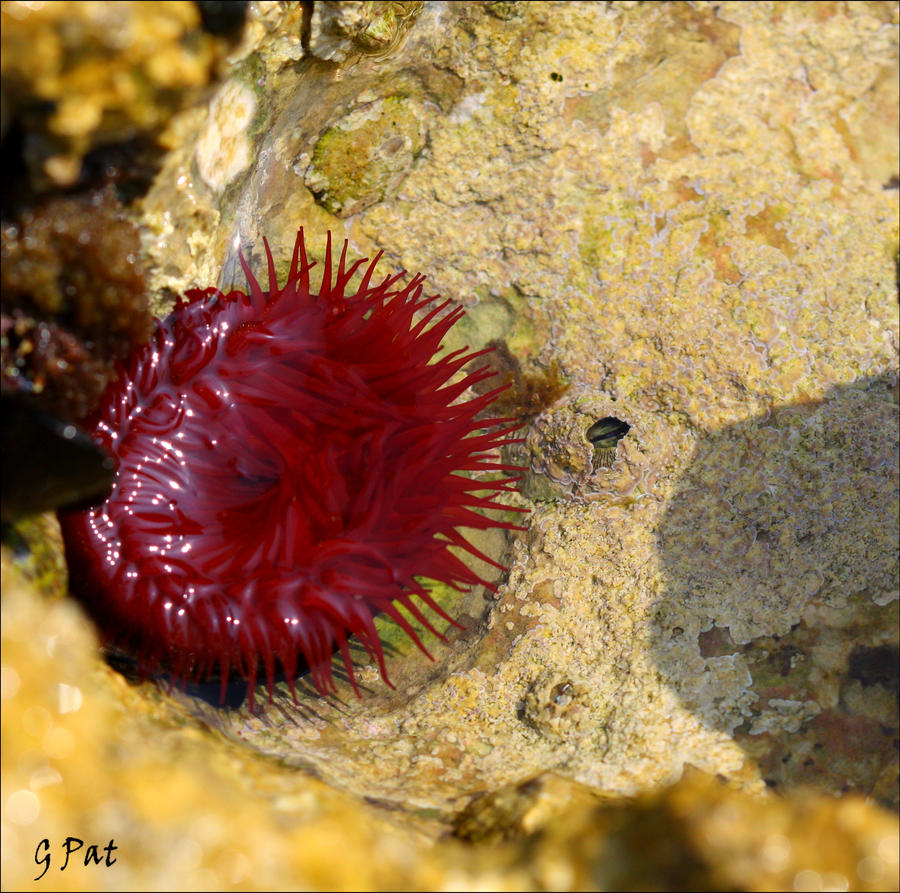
(339, 28)
(679, 210)
(223, 147)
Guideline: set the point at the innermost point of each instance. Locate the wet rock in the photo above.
(339, 28)
(48, 463)
(681, 211)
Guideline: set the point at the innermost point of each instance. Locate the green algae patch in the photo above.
(488, 321)
(366, 155)
(36, 552)
(608, 223)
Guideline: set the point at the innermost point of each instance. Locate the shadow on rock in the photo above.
(780, 622)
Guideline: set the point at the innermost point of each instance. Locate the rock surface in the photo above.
(680, 216)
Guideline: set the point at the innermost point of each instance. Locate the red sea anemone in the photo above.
(290, 464)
